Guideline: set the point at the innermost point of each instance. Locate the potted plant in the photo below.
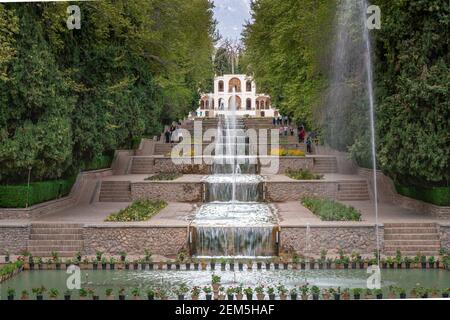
(212, 263)
(259, 265)
(230, 293)
(390, 262)
(147, 256)
(323, 258)
(53, 293)
(315, 292)
(268, 263)
(195, 293)
(126, 264)
(423, 261)
(207, 290)
(123, 256)
(112, 263)
(304, 291)
(181, 290)
(357, 293)
(260, 292)
(161, 293)
(368, 294)
(248, 293)
(121, 293)
(407, 261)
(401, 292)
(109, 294)
(345, 294)
(249, 265)
(136, 293)
(40, 263)
(238, 290)
(204, 265)
(431, 262)
(39, 292)
(104, 263)
(398, 258)
(378, 293)
(392, 292)
(312, 263)
(329, 262)
(282, 292)
(223, 264)
(326, 294)
(293, 293)
(150, 294)
(221, 295)
(7, 256)
(336, 293)
(78, 256)
(215, 281)
(67, 295)
(445, 293)
(82, 293)
(271, 293)
(231, 265)
(240, 266)
(24, 295)
(434, 292)
(10, 293)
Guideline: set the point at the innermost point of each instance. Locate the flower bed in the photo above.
(303, 174)
(287, 152)
(140, 210)
(329, 210)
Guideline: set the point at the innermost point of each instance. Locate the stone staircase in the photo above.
(411, 238)
(64, 238)
(142, 165)
(325, 165)
(115, 191)
(162, 149)
(354, 190)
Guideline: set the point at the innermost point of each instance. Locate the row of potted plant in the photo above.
(10, 269)
(343, 261)
(218, 292)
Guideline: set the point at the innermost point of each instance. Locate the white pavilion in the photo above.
(248, 101)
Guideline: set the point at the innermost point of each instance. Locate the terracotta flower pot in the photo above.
(260, 296)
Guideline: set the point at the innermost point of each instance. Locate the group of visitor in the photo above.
(281, 121)
(173, 133)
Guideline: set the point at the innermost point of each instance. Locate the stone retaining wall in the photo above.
(331, 238)
(57, 204)
(444, 231)
(294, 191)
(134, 240)
(168, 191)
(13, 238)
(388, 193)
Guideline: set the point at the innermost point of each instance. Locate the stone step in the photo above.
(47, 236)
(405, 236)
(353, 198)
(412, 253)
(408, 225)
(56, 248)
(414, 230)
(408, 242)
(34, 243)
(56, 230)
(48, 254)
(55, 225)
(413, 248)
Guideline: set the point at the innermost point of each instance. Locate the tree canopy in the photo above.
(68, 96)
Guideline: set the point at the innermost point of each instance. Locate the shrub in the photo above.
(140, 210)
(329, 210)
(164, 176)
(439, 196)
(303, 175)
(15, 196)
(101, 162)
(287, 152)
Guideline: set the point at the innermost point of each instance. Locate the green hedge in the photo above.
(15, 196)
(438, 196)
(329, 210)
(100, 162)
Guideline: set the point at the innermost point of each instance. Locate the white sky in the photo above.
(231, 15)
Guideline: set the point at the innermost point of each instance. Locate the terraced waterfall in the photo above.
(234, 222)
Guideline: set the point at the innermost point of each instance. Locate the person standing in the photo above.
(274, 121)
(167, 135)
(301, 135)
(309, 144)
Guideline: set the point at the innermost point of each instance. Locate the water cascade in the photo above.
(234, 222)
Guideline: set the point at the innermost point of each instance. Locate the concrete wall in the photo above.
(134, 240)
(169, 191)
(444, 231)
(387, 193)
(294, 191)
(57, 204)
(333, 237)
(14, 237)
